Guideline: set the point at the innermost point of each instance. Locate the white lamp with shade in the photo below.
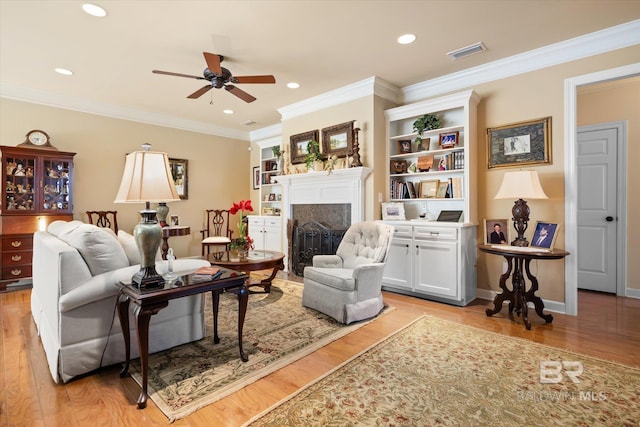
(520, 185)
(146, 179)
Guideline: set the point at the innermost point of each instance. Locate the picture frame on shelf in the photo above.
(256, 177)
(267, 211)
(544, 235)
(398, 166)
(449, 139)
(338, 140)
(179, 173)
(393, 211)
(425, 163)
(404, 146)
(496, 231)
(443, 186)
(299, 145)
(272, 197)
(429, 188)
(518, 144)
(424, 144)
(174, 220)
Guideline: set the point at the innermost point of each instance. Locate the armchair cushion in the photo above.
(338, 278)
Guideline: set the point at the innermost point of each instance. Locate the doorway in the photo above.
(571, 186)
(599, 184)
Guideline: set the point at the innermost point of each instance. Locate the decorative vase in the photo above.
(161, 213)
(243, 254)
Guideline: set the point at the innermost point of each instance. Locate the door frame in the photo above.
(621, 199)
(571, 179)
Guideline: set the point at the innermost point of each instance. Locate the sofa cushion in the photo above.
(100, 250)
(58, 228)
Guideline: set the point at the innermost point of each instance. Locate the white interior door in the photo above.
(597, 207)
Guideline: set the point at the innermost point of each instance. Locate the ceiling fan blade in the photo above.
(197, 94)
(240, 93)
(213, 62)
(254, 79)
(169, 73)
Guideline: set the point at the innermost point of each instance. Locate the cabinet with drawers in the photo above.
(432, 260)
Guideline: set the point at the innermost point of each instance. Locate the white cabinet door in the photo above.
(436, 267)
(256, 231)
(397, 270)
(273, 234)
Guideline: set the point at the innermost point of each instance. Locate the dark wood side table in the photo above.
(257, 260)
(519, 296)
(150, 302)
(172, 231)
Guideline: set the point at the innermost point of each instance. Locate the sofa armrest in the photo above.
(327, 261)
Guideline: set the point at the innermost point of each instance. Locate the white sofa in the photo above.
(76, 269)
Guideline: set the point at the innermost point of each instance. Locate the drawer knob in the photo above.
(16, 258)
(16, 243)
(16, 272)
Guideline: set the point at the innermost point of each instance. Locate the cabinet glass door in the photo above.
(20, 185)
(56, 185)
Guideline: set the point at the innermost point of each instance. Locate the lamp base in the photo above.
(520, 212)
(148, 235)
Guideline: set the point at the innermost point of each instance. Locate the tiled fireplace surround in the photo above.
(323, 197)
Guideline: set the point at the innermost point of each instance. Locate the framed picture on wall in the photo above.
(518, 144)
(338, 140)
(180, 178)
(299, 145)
(256, 177)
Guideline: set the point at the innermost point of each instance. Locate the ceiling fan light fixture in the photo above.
(467, 50)
(94, 10)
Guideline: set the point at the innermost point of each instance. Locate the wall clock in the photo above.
(37, 139)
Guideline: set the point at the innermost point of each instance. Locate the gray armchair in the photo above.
(348, 286)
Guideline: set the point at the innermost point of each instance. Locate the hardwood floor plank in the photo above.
(606, 327)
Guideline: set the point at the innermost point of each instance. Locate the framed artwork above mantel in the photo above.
(299, 145)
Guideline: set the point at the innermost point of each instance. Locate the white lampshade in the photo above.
(521, 185)
(147, 178)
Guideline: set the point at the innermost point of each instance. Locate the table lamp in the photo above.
(147, 178)
(520, 185)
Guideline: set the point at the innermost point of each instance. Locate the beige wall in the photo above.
(217, 166)
(620, 102)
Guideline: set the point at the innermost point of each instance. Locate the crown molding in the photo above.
(51, 99)
(367, 87)
(266, 133)
(603, 41)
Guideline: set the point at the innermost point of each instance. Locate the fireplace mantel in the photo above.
(340, 186)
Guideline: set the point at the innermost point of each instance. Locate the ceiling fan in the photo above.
(220, 77)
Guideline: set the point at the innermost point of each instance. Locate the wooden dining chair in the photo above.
(218, 232)
(106, 219)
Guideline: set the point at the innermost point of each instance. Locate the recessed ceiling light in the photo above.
(406, 38)
(64, 71)
(94, 10)
(293, 85)
(228, 111)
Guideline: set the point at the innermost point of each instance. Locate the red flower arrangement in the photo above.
(243, 241)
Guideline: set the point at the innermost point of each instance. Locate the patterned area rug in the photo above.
(436, 372)
(277, 331)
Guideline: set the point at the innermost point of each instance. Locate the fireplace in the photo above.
(325, 204)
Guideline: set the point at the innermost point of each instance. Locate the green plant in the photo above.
(313, 153)
(426, 122)
(276, 151)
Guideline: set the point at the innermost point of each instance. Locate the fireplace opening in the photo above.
(317, 230)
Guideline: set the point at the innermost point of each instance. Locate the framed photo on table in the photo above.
(519, 144)
(299, 145)
(544, 235)
(496, 231)
(338, 140)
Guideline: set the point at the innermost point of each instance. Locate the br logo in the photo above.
(551, 371)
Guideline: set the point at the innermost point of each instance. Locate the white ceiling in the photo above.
(322, 44)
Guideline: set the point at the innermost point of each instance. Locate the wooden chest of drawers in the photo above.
(17, 252)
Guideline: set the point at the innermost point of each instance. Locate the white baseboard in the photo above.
(633, 293)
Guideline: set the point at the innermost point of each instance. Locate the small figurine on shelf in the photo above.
(52, 173)
(28, 188)
(11, 204)
(10, 187)
(28, 205)
(19, 170)
(443, 164)
(20, 188)
(11, 165)
(29, 171)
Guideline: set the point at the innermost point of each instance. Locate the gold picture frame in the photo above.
(299, 145)
(518, 144)
(179, 172)
(429, 188)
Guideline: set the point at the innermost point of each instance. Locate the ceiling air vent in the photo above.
(467, 50)
(248, 122)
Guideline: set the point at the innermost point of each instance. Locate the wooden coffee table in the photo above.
(257, 260)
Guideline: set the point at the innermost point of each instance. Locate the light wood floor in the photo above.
(607, 327)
